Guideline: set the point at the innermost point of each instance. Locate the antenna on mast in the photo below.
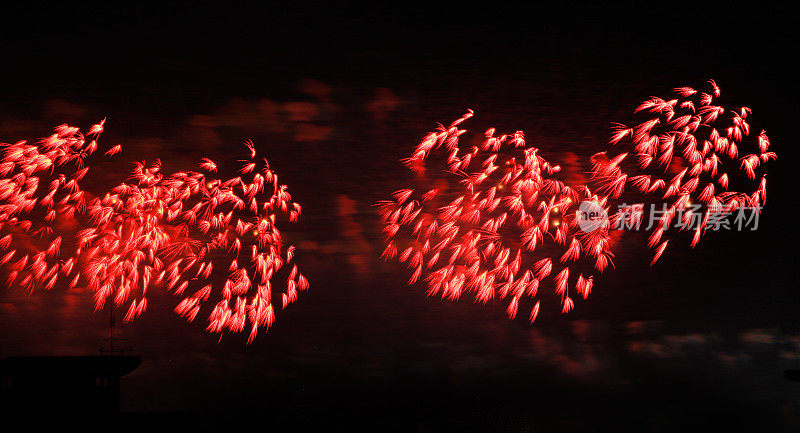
(111, 351)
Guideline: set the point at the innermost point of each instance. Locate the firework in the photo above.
(41, 200)
(493, 220)
(699, 157)
(211, 241)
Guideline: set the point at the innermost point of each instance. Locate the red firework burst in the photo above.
(208, 240)
(41, 200)
(699, 157)
(493, 220)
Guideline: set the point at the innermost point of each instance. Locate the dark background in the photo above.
(335, 96)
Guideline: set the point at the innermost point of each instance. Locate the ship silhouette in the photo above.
(89, 384)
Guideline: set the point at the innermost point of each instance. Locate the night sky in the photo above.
(335, 97)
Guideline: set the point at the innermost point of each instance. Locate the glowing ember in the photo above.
(493, 221)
